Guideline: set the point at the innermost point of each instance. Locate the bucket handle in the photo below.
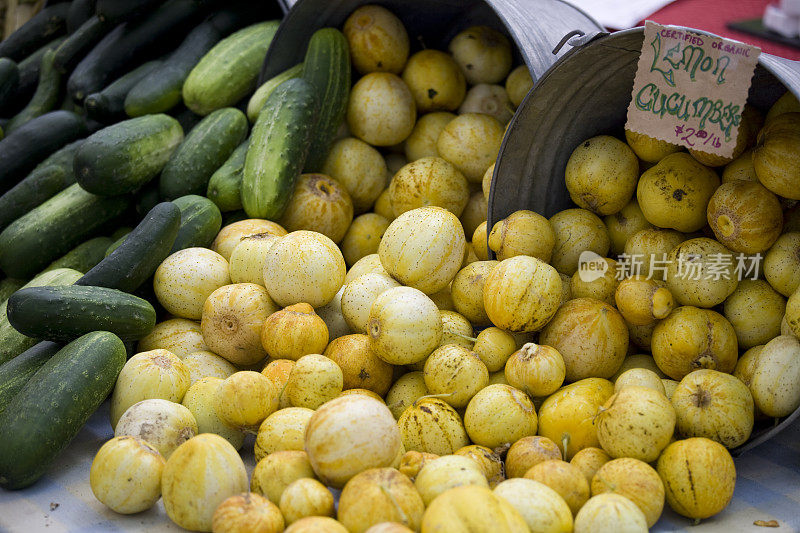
(577, 38)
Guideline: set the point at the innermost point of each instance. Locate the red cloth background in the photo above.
(712, 15)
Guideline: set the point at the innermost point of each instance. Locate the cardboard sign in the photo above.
(690, 89)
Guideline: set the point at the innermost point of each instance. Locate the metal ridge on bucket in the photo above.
(536, 26)
(586, 93)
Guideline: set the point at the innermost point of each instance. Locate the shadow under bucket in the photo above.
(536, 26)
(586, 93)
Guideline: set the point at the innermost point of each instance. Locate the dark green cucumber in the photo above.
(278, 148)
(109, 104)
(15, 374)
(146, 199)
(28, 79)
(55, 403)
(228, 72)
(9, 78)
(32, 142)
(50, 230)
(115, 244)
(89, 75)
(50, 177)
(120, 10)
(139, 41)
(84, 256)
(259, 97)
(187, 118)
(79, 12)
(9, 286)
(234, 216)
(200, 222)
(160, 90)
(12, 342)
(62, 314)
(139, 255)
(121, 158)
(120, 232)
(49, 23)
(327, 69)
(46, 97)
(75, 47)
(225, 185)
(204, 150)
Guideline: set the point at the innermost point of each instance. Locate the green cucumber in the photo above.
(15, 374)
(138, 41)
(146, 199)
(120, 10)
(9, 286)
(160, 90)
(50, 22)
(233, 216)
(138, 256)
(109, 104)
(46, 97)
(32, 142)
(115, 244)
(327, 69)
(259, 97)
(204, 150)
(47, 413)
(79, 12)
(88, 75)
(228, 72)
(121, 158)
(225, 185)
(50, 177)
(9, 78)
(28, 79)
(12, 342)
(83, 257)
(50, 230)
(74, 48)
(200, 222)
(62, 314)
(278, 148)
(120, 232)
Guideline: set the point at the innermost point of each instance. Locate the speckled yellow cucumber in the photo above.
(121, 158)
(278, 149)
(12, 342)
(52, 229)
(62, 314)
(75, 382)
(229, 71)
(327, 69)
(225, 185)
(204, 150)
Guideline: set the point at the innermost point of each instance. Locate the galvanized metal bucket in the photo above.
(586, 93)
(536, 26)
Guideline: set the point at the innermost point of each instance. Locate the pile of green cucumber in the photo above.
(129, 131)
